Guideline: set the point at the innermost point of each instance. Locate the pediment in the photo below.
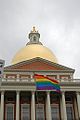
(37, 64)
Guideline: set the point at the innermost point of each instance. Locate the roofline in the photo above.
(38, 58)
(18, 70)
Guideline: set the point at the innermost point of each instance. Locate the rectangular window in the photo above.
(25, 111)
(55, 111)
(40, 112)
(12, 77)
(70, 113)
(9, 112)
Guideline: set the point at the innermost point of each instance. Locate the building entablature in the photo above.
(30, 85)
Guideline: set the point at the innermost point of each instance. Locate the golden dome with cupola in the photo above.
(34, 48)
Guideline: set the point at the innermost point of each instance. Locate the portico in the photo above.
(38, 105)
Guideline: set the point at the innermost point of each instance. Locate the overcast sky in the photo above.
(58, 22)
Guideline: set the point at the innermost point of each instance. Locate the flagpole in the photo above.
(36, 91)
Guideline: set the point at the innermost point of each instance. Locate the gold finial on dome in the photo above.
(34, 30)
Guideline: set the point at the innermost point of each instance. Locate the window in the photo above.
(25, 111)
(9, 112)
(64, 77)
(40, 112)
(24, 77)
(55, 111)
(34, 38)
(69, 109)
(12, 77)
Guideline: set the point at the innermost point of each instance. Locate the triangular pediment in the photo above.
(38, 64)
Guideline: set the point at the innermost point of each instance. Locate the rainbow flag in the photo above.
(46, 83)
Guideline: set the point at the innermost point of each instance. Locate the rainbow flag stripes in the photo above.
(45, 83)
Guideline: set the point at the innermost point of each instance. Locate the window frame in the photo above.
(42, 105)
(70, 105)
(22, 105)
(58, 113)
(7, 105)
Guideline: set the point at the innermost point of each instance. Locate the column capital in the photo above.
(2, 92)
(63, 92)
(33, 92)
(17, 92)
(78, 92)
(48, 92)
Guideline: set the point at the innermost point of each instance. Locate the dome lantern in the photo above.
(34, 37)
(33, 49)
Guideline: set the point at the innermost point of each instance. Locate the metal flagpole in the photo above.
(37, 100)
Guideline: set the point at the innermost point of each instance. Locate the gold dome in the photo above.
(33, 51)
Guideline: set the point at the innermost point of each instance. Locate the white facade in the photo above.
(20, 96)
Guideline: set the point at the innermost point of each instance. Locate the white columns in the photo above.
(61, 109)
(78, 103)
(33, 106)
(75, 109)
(17, 105)
(64, 106)
(2, 105)
(48, 107)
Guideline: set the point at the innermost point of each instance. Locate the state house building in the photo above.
(19, 99)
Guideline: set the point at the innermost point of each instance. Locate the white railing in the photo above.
(17, 80)
(32, 80)
(69, 80)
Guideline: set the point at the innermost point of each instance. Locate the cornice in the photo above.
(64, 68)
(55, 71)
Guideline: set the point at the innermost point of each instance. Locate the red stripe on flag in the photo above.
(36, 76)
